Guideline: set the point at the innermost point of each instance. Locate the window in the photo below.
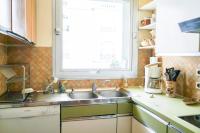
(94, 39)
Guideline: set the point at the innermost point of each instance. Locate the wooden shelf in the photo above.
(148, 27)
(147, 47)
(149, 6)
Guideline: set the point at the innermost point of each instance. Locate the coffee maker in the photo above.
(153, 79)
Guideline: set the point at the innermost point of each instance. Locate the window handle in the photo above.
(58, 31)
(134, 35)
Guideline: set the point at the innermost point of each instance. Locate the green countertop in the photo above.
(167, 108)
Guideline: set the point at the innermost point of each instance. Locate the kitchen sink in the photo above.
(194, 119)
(83, 95)
(112, 93)
(49, 97)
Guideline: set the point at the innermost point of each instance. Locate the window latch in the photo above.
(58, 31)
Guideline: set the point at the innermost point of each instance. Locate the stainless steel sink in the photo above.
(194, 119)
(83, 95)
(49, 97)
(112, 93)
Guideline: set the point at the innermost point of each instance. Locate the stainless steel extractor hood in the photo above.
(190, 26)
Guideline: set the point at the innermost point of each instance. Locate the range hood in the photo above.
(190, 26)
(16, 36)
(20, 38)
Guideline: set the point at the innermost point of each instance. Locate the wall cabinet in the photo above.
(169, 39)
(18, 20)
(5, 14)
(90, 126)
(23, 18)
(19, 17)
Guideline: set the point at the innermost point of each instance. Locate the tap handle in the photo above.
(72, 90)
(94, 87)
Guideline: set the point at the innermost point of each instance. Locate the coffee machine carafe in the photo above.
(153, 79)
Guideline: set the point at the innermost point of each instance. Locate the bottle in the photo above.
(61, 88)
(125, 83)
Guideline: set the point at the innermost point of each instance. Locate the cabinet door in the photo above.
(174, 129)
(124, 124)
(149, 119)
(90, 126)
(138, 127)
(169, 39)
(23, 18)
(5, 14)
(19, 17)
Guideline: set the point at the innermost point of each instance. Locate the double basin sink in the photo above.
(95, 95)
(82, 97)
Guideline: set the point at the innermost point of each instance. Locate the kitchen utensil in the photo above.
(175, 75)
(167, 76)
(172, 74)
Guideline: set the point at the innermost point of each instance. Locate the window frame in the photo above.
(94, 74)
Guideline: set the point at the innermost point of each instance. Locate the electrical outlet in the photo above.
(198, 72)
(198, 85)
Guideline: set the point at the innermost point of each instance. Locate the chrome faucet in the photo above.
(94, 87)
(49, 88)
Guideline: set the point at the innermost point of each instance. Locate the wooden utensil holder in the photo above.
(170, 88)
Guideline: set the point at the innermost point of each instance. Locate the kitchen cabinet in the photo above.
(23, 19)
(5, 15)
(94, 125)
(40, 119)
(124, 124)
(19, 17)
(89, 118)
(124, 120)
(100, 118)
(69, 112)
(124, 108)
(170, 41)
(148, 119)
(138, 127)
(174, 129)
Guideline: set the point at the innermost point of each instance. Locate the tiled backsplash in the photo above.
(40, 60)
(188, 66)
(40, 63)
(3, 60)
